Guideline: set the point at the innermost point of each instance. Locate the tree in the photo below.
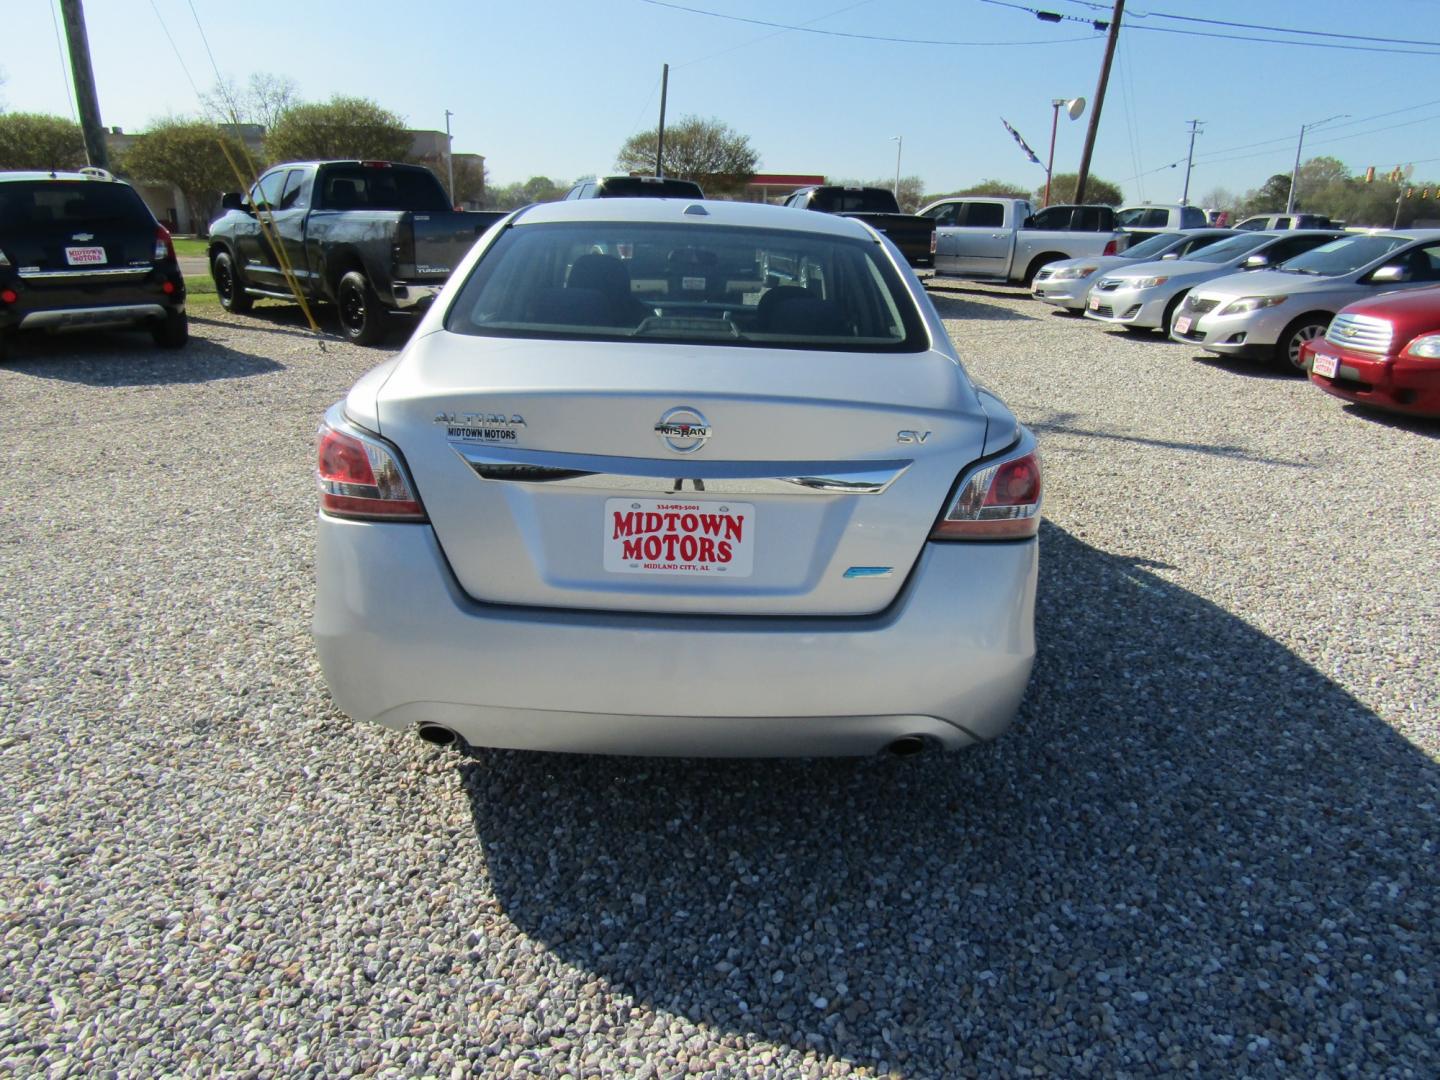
(1062, 190)
(714, 155)
(37, 141)
(511, 196)
(265, 98)
(191, 155)
(1269, 198)
(998, 189)
(1218, 198)
(912, 190)
(471, 177)
(343, 127)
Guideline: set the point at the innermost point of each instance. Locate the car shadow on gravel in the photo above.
(956, 307)
(1419, 425)
(1244, 366)
(131, 359)
(1192, 850)
(289, 320)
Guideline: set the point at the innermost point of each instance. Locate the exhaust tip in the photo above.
(437, 735)
(907, 745)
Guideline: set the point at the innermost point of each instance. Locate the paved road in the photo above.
(1209, 843)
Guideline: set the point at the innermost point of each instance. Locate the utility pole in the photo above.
(1190, 160)
(1110, 41)
(899, 141)
(84, 78)
(450, 157)
(660, 143)
(1295, 172)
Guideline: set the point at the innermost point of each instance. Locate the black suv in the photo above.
(81, 251)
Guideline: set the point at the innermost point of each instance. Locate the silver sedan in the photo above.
(678, 477)
(1066, 283)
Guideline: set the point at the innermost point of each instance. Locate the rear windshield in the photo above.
(699, 284)
(625, 187)
(1154, 247)
(385, 187)
(855, 201)
(27, 205)
(1343, 256)
(1229, 249)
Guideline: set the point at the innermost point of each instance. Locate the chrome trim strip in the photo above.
(71, 275)
(598, 473)
(96, 316)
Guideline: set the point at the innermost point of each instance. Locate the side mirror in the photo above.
(1255, 262)
(1028, 223)
(232, 200)
(1390, 274)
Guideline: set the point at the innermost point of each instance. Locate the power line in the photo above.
(857, 37)
(1257, 26)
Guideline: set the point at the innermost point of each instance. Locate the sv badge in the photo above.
(911, 436)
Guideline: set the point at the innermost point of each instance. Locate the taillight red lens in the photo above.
(361, 478)
(164, 246)
(1112, 247)
(9, 296)
(999, 501)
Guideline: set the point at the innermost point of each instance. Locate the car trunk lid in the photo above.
(547, 481)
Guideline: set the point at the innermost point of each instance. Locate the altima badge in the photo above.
(683, 429)
(480, 426)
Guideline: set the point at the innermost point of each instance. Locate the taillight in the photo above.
(361, 477)
(8, 296)
(1112, 247)
(999, 500)
(164, 246)
(933, 238)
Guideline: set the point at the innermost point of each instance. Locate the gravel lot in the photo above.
(1211, 844)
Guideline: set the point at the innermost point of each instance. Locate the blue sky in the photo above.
(556, 88)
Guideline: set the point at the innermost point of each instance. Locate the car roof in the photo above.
(698, 212)
(33, 175)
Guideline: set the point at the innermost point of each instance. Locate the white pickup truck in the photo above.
(998, 239)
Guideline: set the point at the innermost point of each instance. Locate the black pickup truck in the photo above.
(914, 236)
(371, 237)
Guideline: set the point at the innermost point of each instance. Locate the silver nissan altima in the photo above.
(662, 476)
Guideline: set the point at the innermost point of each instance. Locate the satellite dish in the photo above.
(1074, 107)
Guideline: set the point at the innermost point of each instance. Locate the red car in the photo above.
(1383, 352)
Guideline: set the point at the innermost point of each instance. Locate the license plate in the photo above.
(1182, 324)
(673, 536)
(1325, 365)
(84, 256)
(1094, 303)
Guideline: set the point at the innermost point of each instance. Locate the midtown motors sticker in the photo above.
(660, 536)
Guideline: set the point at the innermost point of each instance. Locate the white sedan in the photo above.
(678, 477)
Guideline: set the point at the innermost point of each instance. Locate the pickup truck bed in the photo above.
(373, 238)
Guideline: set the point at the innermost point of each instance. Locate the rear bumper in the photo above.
(406, 294)
(1397, 384)
(400, 644)
(75, 302)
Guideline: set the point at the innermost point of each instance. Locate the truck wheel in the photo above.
(5, 346)
(362, 319)
(173, 331)
(1305, 328)
(233, 297)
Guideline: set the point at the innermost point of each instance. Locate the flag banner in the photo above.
(1023, 144)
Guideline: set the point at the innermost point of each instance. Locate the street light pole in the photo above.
(899, 141)
(450, 157)
(1295, 172)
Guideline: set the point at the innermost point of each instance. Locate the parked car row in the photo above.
(1358, 313)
